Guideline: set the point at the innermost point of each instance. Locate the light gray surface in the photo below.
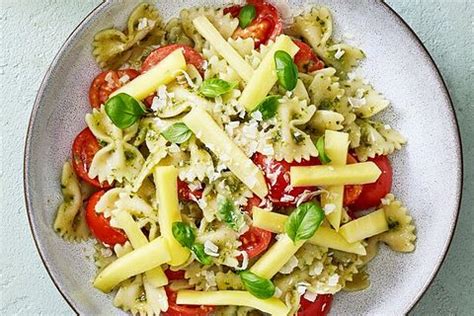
(25, 286)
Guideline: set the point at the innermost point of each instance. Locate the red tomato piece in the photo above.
(106, 83)
(351, 192)
(373, 192)
(320, 307)
(100, 226)
(174, 275)
(253, 201)
(184, 310)
(266, 26)
(192, 57)
(306, 59)
(255, 241)
(84, 148)
(277, 176)
(185, 193)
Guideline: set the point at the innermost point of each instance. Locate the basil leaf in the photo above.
(257, 286)
(184, 234)
(246, 15)
(268, 107)
(304, 221)
(215, 87)
(322, 152)
(227, 213)
(123, 110)
(177, 133)
(286, 70)
(201, 256)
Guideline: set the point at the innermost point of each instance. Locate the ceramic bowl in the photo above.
(428, 170)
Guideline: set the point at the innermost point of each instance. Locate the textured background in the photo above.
(31, 32)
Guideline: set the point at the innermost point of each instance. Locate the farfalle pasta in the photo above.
(231, 165)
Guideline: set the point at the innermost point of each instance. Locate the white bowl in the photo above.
(428, 171)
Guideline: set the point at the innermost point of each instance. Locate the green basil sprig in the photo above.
(323, 157)
(257, 286)
(268, 107)
(215, 87)
(124, 110)
(286, 70)
(304, 221)
(177, 133)
(227, 213)
(184, 234)
(201, 256)
(247, 15)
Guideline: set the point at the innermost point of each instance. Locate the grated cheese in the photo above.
(211, 249)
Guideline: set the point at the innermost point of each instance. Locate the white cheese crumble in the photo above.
(287, 198)
(316, 269)
(142, 23)
(211, 249)
(278, 292)
(245, 261)
(109, 79)
(329, 208)
(289, 266)
(257, 115)
(301, 287)
(124, 79)
(333, 279)
(310, 296)
(357, 102)
(339, 53)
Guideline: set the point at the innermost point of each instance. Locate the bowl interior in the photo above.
(427, 170)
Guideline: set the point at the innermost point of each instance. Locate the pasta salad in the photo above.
(232, 164)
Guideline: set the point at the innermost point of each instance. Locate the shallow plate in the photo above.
(428, 171)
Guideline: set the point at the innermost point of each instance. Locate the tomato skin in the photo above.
(84, 148)
(101, 89)
(253, 201)
(351, 192)
(306, 59)
(174, 275)
(320, 307)
(192, 57)
(277, 184)
(184, 310)
(373, 192)
(100, 226)
(266, 26)
(185, 193)
(255, 241)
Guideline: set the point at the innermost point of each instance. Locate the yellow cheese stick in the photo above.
(365, 226)
(166, 181)
(207, 130)
(162, 73)
(233, 58)
(145, 258)
(124, 220)
(276, 257)
(264, 77)
(324, 236)
(272, 306)
(358, 173)
(336, 145)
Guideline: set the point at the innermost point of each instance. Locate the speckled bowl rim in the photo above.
(100, 7)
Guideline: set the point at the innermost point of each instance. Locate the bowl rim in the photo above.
(459, 154)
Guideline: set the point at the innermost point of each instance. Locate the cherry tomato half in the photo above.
(320, 307)
(306, 59)
(266, 26)
(106, 83)
(174, 275)
(277, 176)
(351, 192)
(84, 148)
(255, 241)
(373, 192)
(100, 226)
(185, 193)
(184, 310)
(192, 57)
(253, 201)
